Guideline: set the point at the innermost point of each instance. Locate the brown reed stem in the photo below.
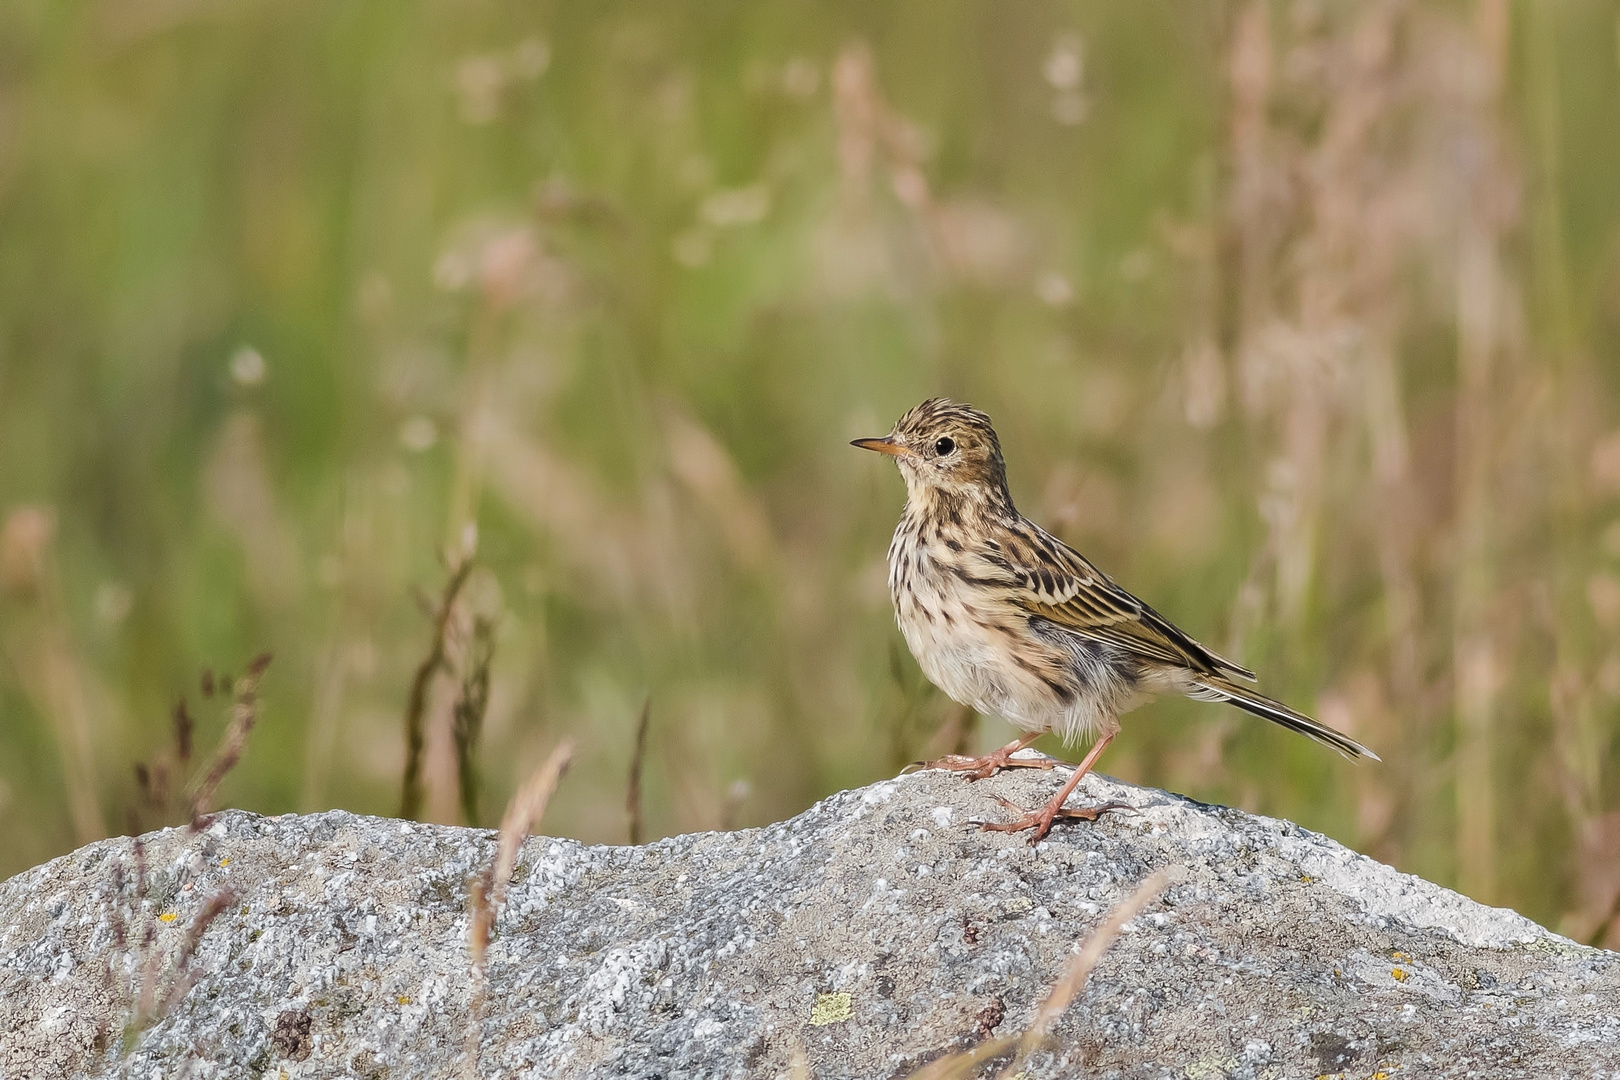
(632, 794)
(467, 715)
(410, 800)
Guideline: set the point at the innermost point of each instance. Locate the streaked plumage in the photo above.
(1009, 620)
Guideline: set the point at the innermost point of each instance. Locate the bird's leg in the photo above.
(979, 768)
(1041, 820)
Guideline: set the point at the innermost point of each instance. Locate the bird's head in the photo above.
(943, 446)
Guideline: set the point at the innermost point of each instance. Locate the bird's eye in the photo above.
(944, 446)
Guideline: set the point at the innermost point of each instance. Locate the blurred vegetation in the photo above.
(1298, 317)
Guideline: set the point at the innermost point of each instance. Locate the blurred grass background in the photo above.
(1298, 317)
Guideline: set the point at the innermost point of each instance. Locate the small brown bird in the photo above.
(1009, 620)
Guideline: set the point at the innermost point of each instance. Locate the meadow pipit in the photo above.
(1009, 620)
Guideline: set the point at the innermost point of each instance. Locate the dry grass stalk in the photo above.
(1058, 999)
(161, 783)
(154, 781)
(1078, 969)
(118, 918)
(146, 969)
(185, 976)
(488, 891)
(244, 714)
(410, 800)
(158, 997)
(523, 813)
(120, 932)
(798, 1061)
(632, 795)
(145, 999)
(152, 997)
(467, 714)
(954, 1066)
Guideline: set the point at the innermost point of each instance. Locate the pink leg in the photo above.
(979, 768)
(1041, 820)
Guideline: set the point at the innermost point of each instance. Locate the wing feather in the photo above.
(1065, 588)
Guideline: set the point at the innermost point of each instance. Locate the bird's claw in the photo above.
(982, 768)
(1043, 819)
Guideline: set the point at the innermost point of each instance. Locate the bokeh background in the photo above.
(1299, 317)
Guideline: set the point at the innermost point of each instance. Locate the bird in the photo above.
(1010, 621)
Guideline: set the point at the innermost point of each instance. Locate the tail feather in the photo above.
(1219, 689)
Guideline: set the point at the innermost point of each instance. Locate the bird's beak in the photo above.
(884, 446)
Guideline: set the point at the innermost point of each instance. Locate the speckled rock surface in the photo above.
(870, 933)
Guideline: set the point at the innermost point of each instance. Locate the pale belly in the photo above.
(970, 668)
(973, 655)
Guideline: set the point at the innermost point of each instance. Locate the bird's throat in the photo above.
(957, 507)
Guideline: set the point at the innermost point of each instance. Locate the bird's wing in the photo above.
(1051, 580)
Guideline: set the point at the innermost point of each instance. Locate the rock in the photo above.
(866, 937)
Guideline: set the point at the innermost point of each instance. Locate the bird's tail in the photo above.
(1218, 688)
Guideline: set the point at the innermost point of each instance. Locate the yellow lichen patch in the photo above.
(1398, 975)
(1398, 955)
(403, 1000)
(168, 916)
(1211, 1068)
(830, 1009)
(225, 862)
(1380, 1075)
(1306, 878)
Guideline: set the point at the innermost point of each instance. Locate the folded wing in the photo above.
(1062, 586)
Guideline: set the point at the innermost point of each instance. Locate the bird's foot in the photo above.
(1042, 820)
(986, 766)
